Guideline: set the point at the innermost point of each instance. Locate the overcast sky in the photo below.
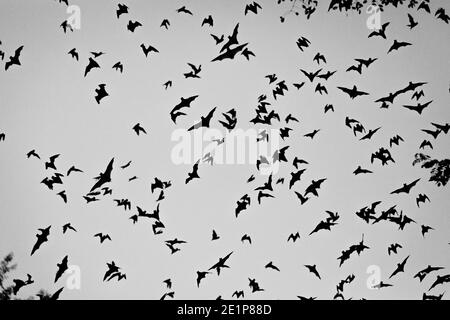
(46, 104)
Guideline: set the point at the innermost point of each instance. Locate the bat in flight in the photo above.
(184, 103)
(406, 188)
(204, 122)
(41, 238)
(104, 177)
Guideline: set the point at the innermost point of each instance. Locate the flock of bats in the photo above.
(229, 47)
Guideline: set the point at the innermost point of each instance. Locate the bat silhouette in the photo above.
(380, 32)
(421, 198)
(393, 248)
(132, 25)
(148, 49)
(102, 237)
(272, 78)
(280, 155)
(319, 57)
(314, 186)
(246, 237)
(397, 45)
(395, 140)
(320, 88)
(406, 188)
(66, 25)
(217, 39)
(323, 225)
(204, 122)
(242, 204)
(194, 174)
(353, 92)
(221, 263)
(400, 267)
(444, 128)
(230, 120)
(127, 165)
(184, 10)
(104, 177)
(425, 143)
(419, 107)
(214, 236)
(252, 7)
(369, 135)
(209, 21)
(201, 275)
(42, 237)
(68, 226)
(91, 65)
(270, 265)
(122, 9)
(73, 169)
(290, 118)
(440, 14)
(293, 237)
(112, 268)
(165, 23)
(303, 42)
(194, 72)
(51, 163)
(313, 270)
(301, 197)
(425, 229)
(440, 280)
(90, 199)
(254, 286)
(230, 53)
(62, 267)
(74, 53)
(432, 133)
(238, 294)
(360, 170)
(295, 176)
(100, 93)
(33, 153)
(184, 103)
(63, 195)
(424, 272)
(411, 22)
(137, 128)
(118, 66)
(311, 75)
(417, 95)
(381, 284)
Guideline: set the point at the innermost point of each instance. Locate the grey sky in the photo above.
(46, 104)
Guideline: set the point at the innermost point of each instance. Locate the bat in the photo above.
(406, 188)
(62, 267)
(104, 177)
(184, 103)
(132, 25)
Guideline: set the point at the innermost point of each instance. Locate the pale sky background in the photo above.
(46, 104)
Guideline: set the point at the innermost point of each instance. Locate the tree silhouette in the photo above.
(6, 266)
(308, 7)
(439, 169)
(6, 291)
